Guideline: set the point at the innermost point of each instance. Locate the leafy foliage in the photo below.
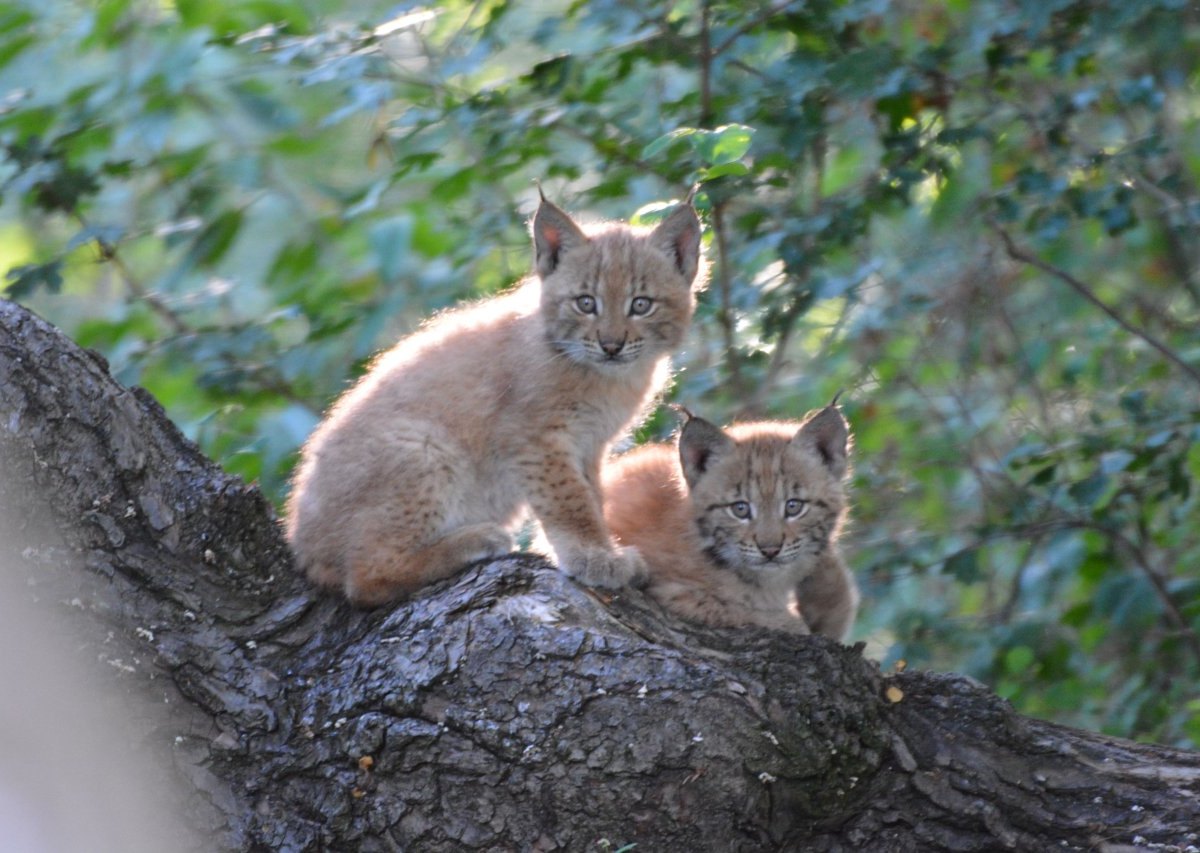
(980, 219)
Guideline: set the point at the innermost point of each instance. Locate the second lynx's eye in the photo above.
(794, 508)
(640, 306)
(586, 304)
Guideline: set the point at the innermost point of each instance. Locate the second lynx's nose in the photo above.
(612, 348)
(770, 551)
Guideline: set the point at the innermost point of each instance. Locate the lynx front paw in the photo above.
(481, 542)
(604, 567)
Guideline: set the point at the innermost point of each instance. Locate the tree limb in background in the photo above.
(1017, 253)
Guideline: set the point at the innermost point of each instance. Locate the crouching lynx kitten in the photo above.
(509, 403)
(740, 526)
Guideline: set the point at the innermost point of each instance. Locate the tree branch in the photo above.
(1017, 253)
(508, 707)
(726, 316)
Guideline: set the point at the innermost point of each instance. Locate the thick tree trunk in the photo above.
(507, 708)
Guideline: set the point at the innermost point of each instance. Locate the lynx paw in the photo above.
(481, 542)
(604, 567)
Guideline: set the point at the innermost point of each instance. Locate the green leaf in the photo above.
(725, 144)
(724, 170)
(1018, 660)
(214, 239)
(665, 141)
(225, 18)
(64, 188)
(455, 186)
(1193, 461)
(1092, 492)
(391, 241)
(293, 262)
(11, 47)
(105, 234)
(964, 565)
(24, 280)
(1044, 475)
(1115, 461)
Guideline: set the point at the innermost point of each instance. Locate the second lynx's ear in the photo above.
(554, 232)
(699, 442)
(679, 236)
(826, 432)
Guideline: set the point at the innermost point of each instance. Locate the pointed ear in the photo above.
(553, 233)
(679, 236)
(827, 434)
(700, 443)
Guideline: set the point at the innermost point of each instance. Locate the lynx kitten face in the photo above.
(740, 528)
(765, 499)
(608, 303)
(496, 409)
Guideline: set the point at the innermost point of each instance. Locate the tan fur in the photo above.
(675, 508)
(424, 465)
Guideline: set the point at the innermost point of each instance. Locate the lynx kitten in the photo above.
(740, 526)
(506, 404)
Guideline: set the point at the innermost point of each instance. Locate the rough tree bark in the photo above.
(507, 708)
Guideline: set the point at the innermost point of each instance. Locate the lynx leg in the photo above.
(829, 599)
(724, 602)
(567, 503)
(383, 572)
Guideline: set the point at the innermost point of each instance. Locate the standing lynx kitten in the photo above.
(740, 526)
(509, 403)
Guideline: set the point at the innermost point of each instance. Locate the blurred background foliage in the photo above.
(981, 219)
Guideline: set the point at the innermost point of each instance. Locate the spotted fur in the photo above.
(508, 404)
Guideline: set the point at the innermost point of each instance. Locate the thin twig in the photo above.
(1181, 623)
(722, 273)
(1019, 254)
(616, 151)
(706, 61)
(108, 254)
(778, 361)
(757, 21)
(725, 314)
(1178, 252)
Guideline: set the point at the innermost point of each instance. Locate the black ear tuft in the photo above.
(554, 232)
(683, 411)
(700, 442)
(826, 432)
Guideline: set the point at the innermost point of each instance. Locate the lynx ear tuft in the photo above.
(700, 443)
(826, 433)
(679, 236)
(554, 232)
(683, 411)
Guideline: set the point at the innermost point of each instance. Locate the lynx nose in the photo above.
(770, 551)
(611, 347)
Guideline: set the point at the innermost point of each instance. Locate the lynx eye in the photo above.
(794, 508)
(640, 306)
(586, 304)
(739, 509)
